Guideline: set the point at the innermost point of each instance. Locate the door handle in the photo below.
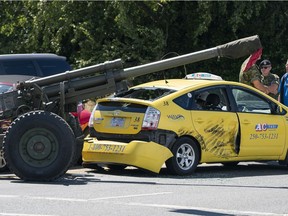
(245, 121)
(199, 120)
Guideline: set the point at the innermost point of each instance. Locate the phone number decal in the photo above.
(264, 136)
(107, 148)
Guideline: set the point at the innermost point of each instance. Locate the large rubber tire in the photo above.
(39, 146)
(185, 157)
(79, 136)
(85, 134)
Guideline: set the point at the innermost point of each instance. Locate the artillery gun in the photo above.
(43, 138)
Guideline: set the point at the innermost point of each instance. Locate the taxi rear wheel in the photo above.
(185, 157)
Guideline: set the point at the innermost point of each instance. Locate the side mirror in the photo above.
(279, 109)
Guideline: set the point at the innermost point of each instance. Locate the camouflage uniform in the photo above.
(247, 78)
(269, 80)
(250, 75)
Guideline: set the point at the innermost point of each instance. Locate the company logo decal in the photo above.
(176, 117)
(264, 127)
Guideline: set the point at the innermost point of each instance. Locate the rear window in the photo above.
(111, 106)
(149, 94)
(53, 66)
(19, 67)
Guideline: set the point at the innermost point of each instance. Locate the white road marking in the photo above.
(16, 214)
(8, 196)
(59, 199)
(127, 196)
(102, 199)
(87, 200)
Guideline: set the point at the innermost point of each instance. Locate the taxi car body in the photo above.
(186, 122)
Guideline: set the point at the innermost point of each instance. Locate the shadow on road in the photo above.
(81, 176)
(208, 171)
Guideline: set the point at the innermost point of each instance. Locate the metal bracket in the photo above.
(62, 98)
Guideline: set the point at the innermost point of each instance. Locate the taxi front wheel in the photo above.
(285, 161)
(185, 157)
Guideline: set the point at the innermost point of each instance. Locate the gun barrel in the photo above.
(234, 49)
(170, 63)
(78, 81)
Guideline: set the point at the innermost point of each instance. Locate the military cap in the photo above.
(265, 63)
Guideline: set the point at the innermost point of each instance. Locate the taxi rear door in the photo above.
(217, 128)
(218, 132)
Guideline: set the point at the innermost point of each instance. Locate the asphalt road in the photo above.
(249, 189)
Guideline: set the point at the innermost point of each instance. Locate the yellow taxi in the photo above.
(185, 122)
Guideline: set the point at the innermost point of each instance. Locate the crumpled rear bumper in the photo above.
(146, 155)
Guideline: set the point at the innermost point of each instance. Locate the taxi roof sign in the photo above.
(203, 75)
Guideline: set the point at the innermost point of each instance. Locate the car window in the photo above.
(5, 87)
(184, 101)
(19, 67)
(249, 102)
(213, 99)
(52, 66)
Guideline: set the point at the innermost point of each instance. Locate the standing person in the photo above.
(269, 79)
(283, 87)
(250, 73)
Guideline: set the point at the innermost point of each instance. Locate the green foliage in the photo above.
(91, 32)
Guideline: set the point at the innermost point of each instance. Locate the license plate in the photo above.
(117, 122)
(107, 148)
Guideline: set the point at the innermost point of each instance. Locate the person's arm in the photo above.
(257, 84)
(273, 88)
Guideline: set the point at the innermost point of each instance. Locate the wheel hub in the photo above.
(185, 157)
(38, 147)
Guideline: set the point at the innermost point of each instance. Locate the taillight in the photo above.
(151, 119)
(91, 120)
